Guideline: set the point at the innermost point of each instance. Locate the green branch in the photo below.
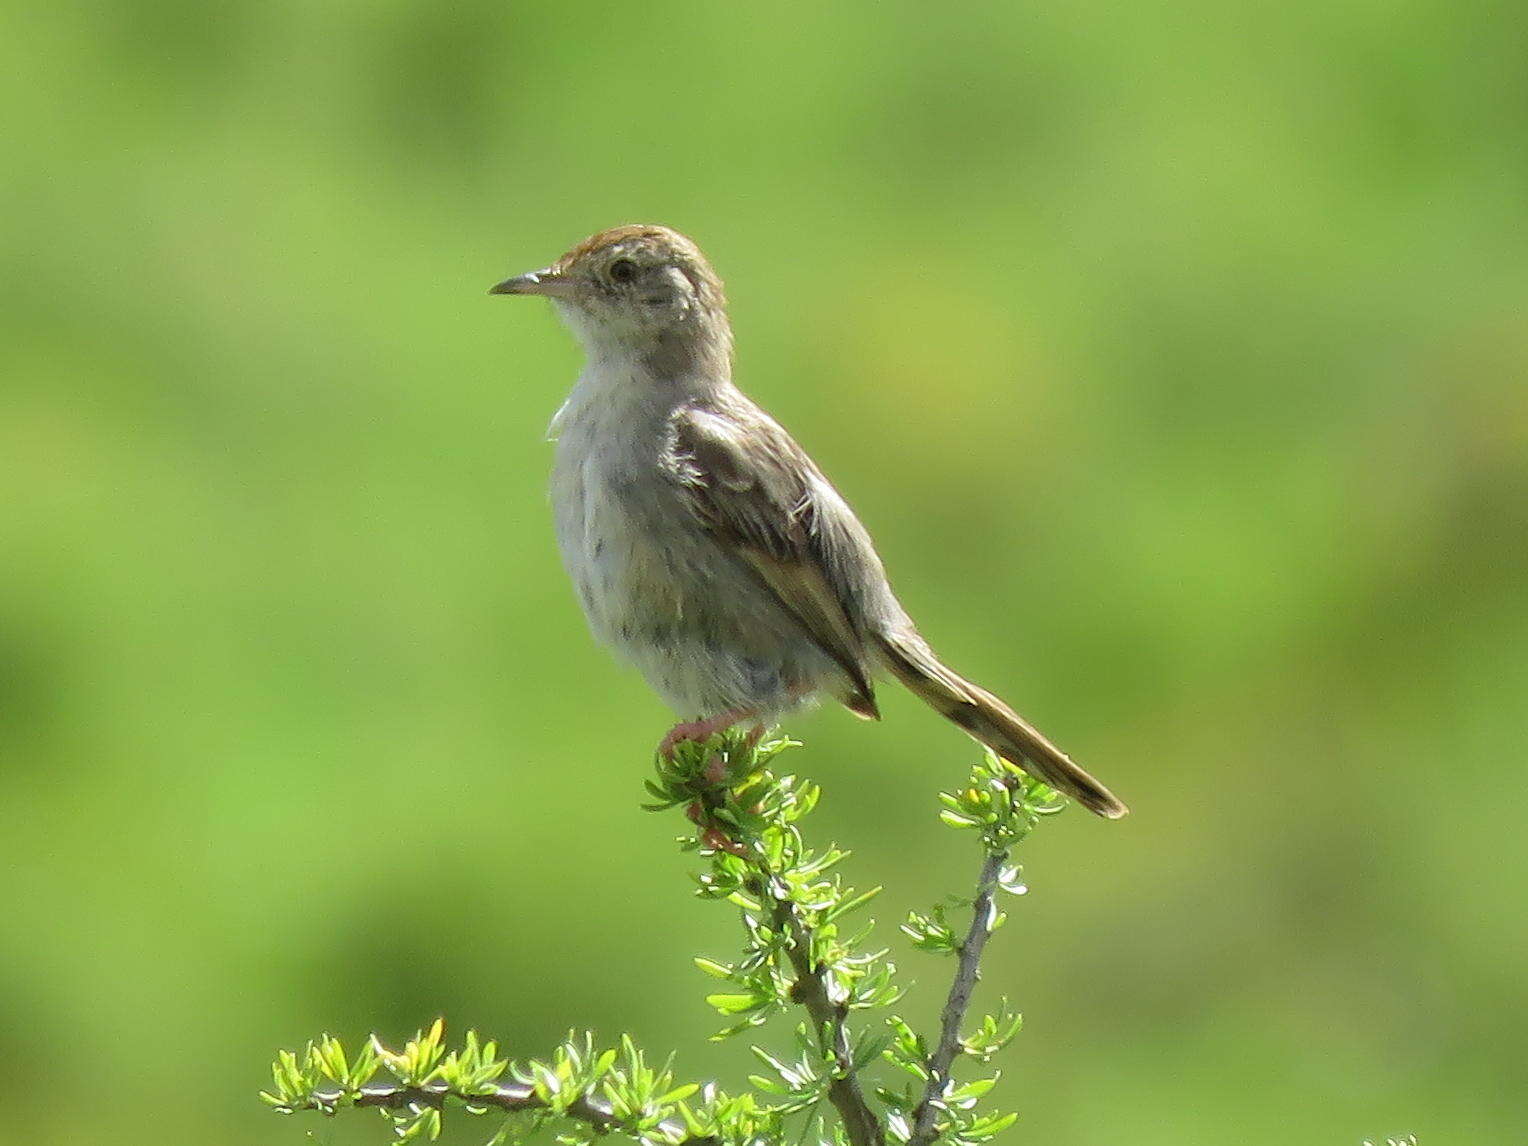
(830, 1018)
(798, 955)
(637, 1100)
(983, 915)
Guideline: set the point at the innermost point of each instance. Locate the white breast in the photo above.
(607, 497)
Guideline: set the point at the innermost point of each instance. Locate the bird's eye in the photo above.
(622, 271)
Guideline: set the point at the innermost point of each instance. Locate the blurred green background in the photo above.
(1176, 353)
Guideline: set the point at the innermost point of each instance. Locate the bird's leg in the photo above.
(716, 840)
(715, 772)
(705, 729)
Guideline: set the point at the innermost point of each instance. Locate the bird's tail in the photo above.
(993, 723)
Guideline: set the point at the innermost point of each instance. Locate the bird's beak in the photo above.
(548, 282)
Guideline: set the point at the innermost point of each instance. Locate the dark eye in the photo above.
(622, 271)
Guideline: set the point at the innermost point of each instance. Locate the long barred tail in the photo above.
(993, 723)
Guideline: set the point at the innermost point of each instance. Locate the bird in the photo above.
(706, 547)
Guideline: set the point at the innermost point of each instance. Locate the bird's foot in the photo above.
(697, 730)
(711, 835)
(716, 840)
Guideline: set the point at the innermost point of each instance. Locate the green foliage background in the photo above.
(1175, 353)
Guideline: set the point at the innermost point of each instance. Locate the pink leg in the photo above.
(703, 729)
(716, 769)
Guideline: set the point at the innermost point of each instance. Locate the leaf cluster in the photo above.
(584, 1091)
(1001, 801)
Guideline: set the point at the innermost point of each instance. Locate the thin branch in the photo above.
(811, 991)
(967, 972)
(509, 1099)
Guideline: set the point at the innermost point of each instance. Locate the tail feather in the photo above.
(990, 721)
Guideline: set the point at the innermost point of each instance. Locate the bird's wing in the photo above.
(756, 491)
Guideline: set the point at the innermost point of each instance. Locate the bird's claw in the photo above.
(699, 730)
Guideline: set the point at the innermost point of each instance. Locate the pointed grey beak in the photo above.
(547, 282)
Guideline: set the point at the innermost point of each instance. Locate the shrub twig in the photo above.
(967, 972)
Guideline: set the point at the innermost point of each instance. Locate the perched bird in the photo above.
(706, 546)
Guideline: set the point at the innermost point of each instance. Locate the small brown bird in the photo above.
(707, 548)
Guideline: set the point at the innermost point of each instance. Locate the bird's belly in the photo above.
(660, 592)
(631, 586)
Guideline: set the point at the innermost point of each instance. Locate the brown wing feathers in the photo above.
(760, 505)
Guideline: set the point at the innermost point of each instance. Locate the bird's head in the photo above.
(640, 291)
